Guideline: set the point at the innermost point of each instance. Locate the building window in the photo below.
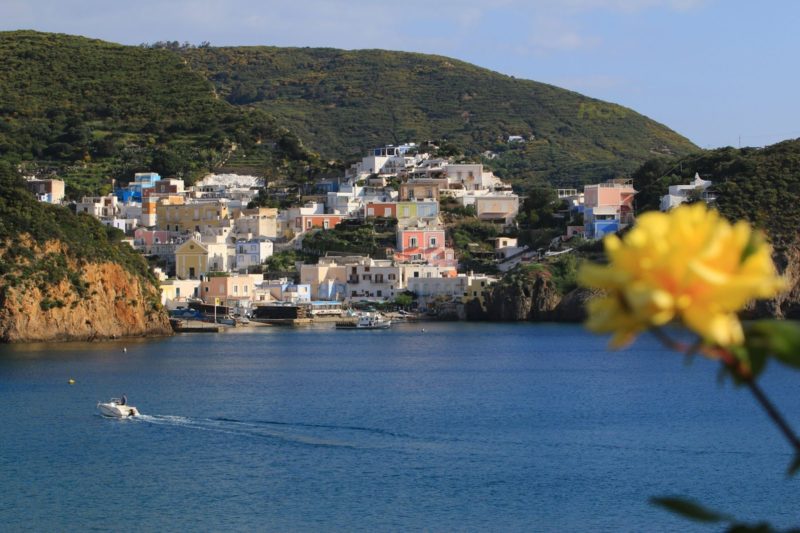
(391, 276)
(412, 242)
(433, 242)
(379, 294)
(308, 224)
(206, 289)
(235, 289)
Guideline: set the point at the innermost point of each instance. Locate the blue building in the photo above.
(133, 192)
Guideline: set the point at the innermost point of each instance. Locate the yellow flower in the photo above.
(689, 264)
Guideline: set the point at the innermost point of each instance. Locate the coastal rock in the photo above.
(572, 307)
(518, 297)
(81, 301)
(786, 304)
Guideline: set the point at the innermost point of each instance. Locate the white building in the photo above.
(99, 206)
(252, 253)
(372, 280)
(386, 160)
(126, 225)
(473, 177)
(678, 194)
(450, 289)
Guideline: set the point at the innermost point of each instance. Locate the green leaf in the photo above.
(689, 509)
(778, 338)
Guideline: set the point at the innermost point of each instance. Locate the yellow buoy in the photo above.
(71, 381)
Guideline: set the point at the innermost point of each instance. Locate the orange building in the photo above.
(382, 209)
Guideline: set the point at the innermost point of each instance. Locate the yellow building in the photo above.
(323, 277)
(476, 285)
(191, 217)
(422, 189)
(191, 260)
(176, 292)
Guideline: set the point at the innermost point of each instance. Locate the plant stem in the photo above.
(743, 374)
(773, 413)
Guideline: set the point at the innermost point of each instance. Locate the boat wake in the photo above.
(323, 435)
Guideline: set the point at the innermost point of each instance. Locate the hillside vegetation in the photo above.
(26, 223)
(761, 185)
(343, 102)
(94, 111)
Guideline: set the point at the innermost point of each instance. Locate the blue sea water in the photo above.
(462, 427)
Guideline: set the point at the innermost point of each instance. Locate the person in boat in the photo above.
(123, 400)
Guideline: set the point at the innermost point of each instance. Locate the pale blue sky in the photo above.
(713, 70)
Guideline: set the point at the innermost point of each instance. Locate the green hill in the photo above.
(94, 110)
(343, 102)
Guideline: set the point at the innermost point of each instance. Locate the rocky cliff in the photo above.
(533, 296)
(529, 296)
(786, 304)
(47, 295)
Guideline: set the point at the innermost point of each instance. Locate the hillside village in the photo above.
(212, 242)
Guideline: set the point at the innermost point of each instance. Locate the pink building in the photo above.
(145, 239)
(608, 207)
(424, 244)
(231, 290)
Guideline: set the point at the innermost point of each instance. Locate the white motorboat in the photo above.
(366, 321)
(116, 409)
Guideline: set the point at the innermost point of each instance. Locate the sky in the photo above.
(720, 72)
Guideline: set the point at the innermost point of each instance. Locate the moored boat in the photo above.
(366, 321)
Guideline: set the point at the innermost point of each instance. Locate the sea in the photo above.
(422, 427)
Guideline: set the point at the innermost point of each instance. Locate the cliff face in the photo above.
(786, 304)
(529, 297)
(534, 297)
(52, 297)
